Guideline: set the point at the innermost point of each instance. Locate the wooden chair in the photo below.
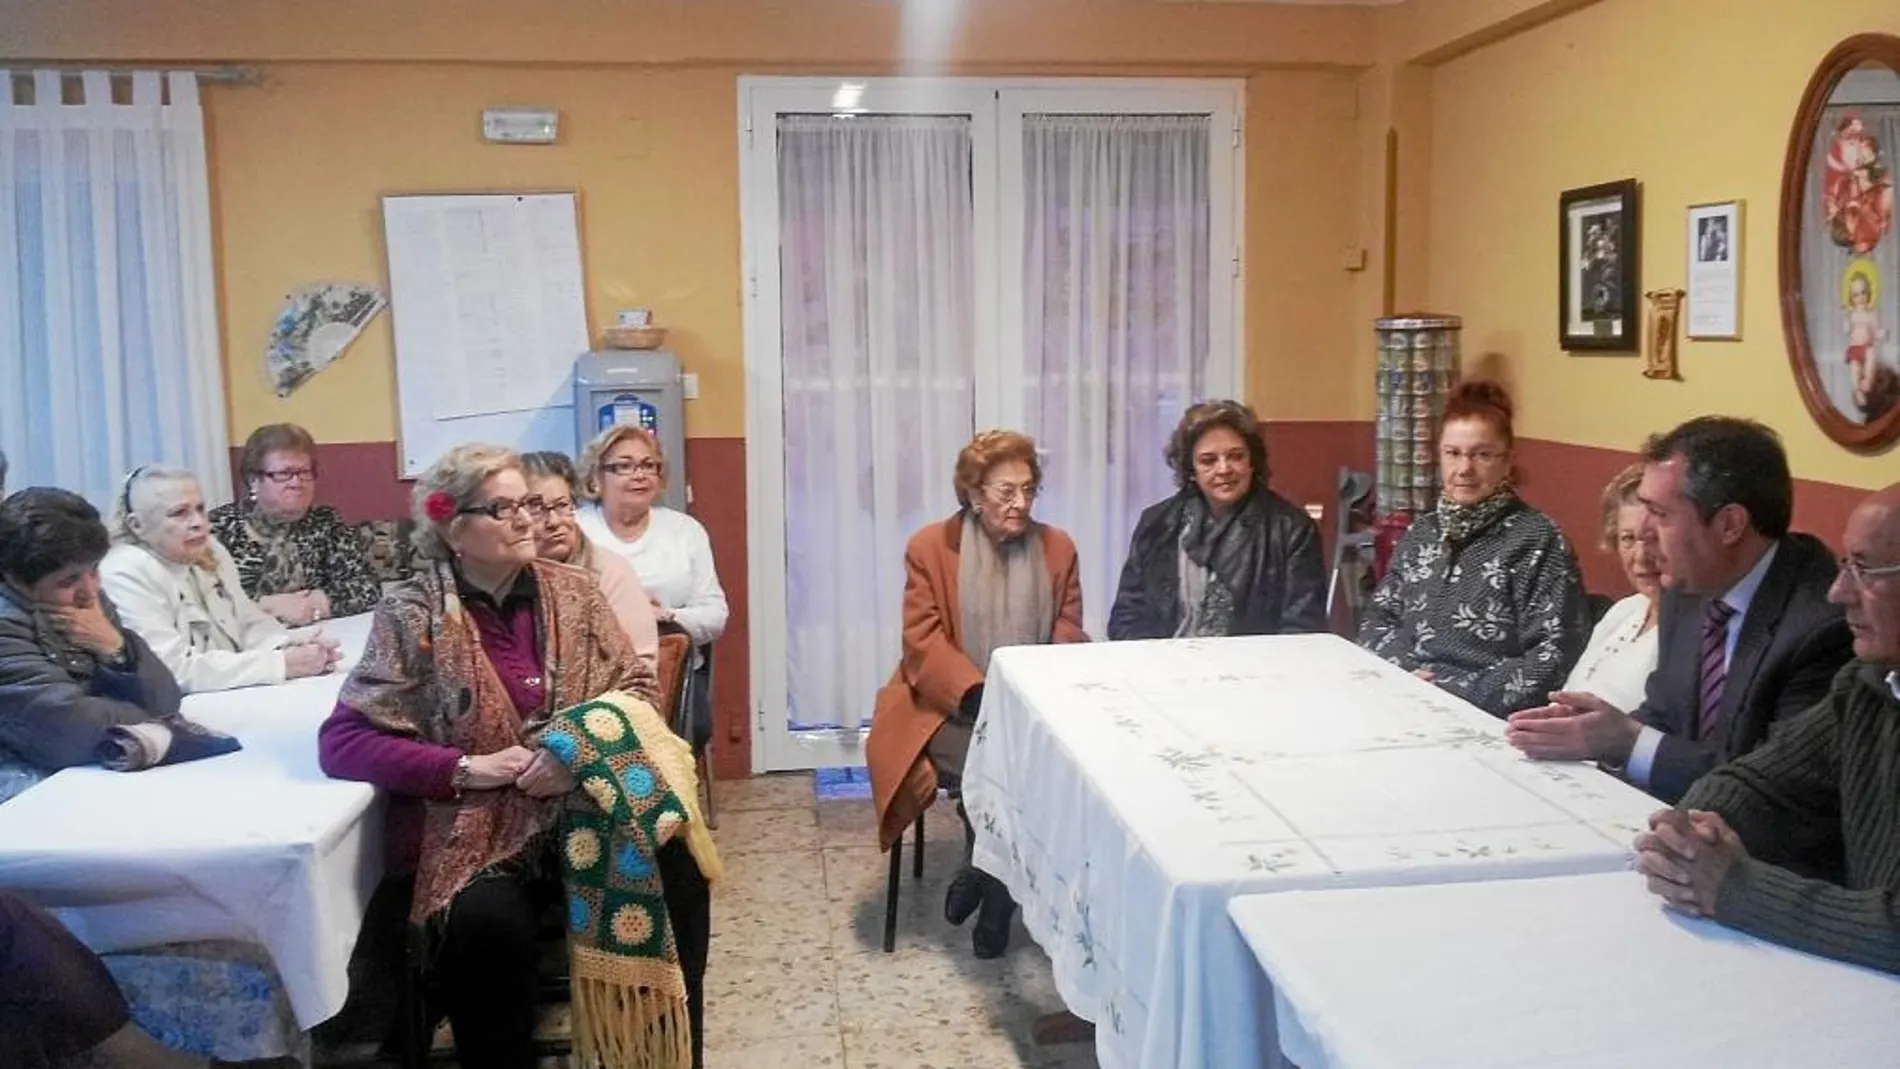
(675, 650)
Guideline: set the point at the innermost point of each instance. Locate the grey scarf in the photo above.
(1004, 591)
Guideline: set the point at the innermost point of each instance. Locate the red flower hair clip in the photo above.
(439, 506)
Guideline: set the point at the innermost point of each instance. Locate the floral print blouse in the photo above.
(319, 549)
(1498, 619)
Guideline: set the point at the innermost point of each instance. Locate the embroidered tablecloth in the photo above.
(254, 847)
(1127, 791)
(1573, 972)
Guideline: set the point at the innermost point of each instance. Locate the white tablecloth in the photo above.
(1563, 973)
(255, 847)
(1126, 791)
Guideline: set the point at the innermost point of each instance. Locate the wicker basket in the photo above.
(618, 337)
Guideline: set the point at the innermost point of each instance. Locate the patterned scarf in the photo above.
(281, 567)
(1458, 524)
(629, 995)
(1226, 551)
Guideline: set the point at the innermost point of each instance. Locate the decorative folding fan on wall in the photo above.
(317, 323)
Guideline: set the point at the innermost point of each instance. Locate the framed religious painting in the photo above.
(1840, 259)
(1597, 268)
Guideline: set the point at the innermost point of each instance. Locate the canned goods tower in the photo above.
(1418, 364)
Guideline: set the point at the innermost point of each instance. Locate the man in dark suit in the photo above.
(1746, 633)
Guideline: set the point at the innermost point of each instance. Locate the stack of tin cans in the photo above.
(1418, 365)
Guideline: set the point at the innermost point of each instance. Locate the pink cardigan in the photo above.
(628, 599)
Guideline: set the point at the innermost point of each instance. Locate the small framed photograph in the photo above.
(1597, 268)
(1715, 271)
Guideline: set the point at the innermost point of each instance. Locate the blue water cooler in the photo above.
(617, 386)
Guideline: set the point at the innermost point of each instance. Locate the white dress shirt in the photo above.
(1739, 597)
(1616, 664)
(674, 560)
(202, 625)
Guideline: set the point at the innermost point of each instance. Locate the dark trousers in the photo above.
(56, 998)
(490, 947)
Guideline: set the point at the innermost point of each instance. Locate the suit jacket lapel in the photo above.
(1764, 616)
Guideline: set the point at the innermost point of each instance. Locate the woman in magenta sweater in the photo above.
(464, 666)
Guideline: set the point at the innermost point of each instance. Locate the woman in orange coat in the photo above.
(985, 578)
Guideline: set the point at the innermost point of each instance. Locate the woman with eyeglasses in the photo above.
(558, 537)
(464, 709)
(297, 558)
(1483, 596)
(986, 578)
(1224, 555)
(624, 474)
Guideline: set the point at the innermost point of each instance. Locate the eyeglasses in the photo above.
(1860, 572)
(1006, 494)
(624, 468)
(1476, 456)
(505, 510)
(286, 476)
(557, 510)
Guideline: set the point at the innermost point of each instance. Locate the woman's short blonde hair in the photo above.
(1620, 491)
(136, 481)
(460, 473)
(604, 443)
(986, 451)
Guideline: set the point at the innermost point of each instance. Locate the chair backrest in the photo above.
(675, 652)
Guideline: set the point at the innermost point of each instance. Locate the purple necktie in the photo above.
(1714, 667)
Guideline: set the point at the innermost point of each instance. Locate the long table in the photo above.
(252, 847)
(1576, 972)
(1125, 792)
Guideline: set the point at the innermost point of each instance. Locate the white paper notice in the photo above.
(1715, 257)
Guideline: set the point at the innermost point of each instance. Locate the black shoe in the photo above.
(990, 937)
(965, 894)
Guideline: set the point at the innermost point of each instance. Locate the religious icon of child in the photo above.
(1860, 292)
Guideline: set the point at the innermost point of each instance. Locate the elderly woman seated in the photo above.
(559, 538)
(1622, 650)
(500, 701)
(1224, 555)
(178, 588)
(295, 557)
(1483, 596)
(625, 474)
(986, 578)
(68, 672)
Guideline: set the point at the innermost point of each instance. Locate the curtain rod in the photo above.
(249, 77)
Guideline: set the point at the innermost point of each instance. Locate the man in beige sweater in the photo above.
(1798, 841)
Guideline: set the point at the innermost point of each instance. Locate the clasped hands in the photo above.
(536, 773)
(1575, 726)
(1685, 856)
(297, 607)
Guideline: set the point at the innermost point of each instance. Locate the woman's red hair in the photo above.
(1481, 399)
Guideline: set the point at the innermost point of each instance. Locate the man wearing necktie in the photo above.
(1746, 633)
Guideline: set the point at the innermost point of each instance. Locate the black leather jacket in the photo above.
(1289, 587)
(57, 700)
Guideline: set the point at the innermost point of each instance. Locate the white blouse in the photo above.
(1616, 664)
(674, 560)
(204, 627)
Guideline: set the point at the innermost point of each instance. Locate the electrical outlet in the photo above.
(689, 386)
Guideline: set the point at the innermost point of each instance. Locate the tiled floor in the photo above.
(798, 976)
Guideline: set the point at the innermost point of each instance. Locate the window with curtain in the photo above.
(1115, 248)
(108, 335)
(876, 231)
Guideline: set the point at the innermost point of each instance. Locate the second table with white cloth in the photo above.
(1573, 972)
(257, 846)
(1125, 792)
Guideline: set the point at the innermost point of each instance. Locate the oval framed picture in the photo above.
(1840, 257)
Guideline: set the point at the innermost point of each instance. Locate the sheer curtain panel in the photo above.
(1116, 321)
(108, 332)
(876, 266)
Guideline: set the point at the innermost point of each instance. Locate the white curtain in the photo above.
(877, 273)
(1116, 326)
(108, 333)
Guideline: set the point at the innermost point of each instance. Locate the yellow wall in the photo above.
(378, 98)
(1692, 97)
